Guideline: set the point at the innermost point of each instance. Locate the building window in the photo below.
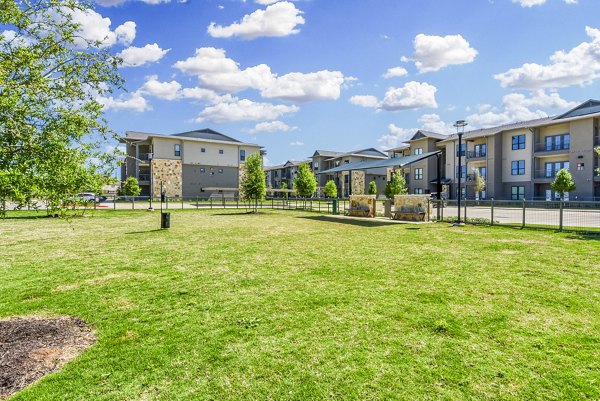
(517, 193)
(220, 151)
(557, 142)
(315, 165)
(518, 142)
(203, 150)
(418, 151)
(220, 171)
(177, 150)
(517, 167)
(202, 170)
(482, 172)
(580, 166)
(463, 171)
(346, 161)
(463, 150)
(554, 167)
(418, 191)
(418, 174)
(480, 150)
(242, 155)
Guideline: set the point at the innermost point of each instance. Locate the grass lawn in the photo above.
(292, 305)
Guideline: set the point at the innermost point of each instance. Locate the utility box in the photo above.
(165, 220)
(334, 207)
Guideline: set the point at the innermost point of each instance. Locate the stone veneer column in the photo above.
(358, 182)
(170, 173)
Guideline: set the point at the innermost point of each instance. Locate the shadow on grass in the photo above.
(236, 213)
(591, 236)
(146, 232)
(351, 221)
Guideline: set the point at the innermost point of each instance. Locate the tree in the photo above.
(131, 187)
(305, 182)
(598, 152)
(330, 189)
(52, 135)
(372, 188)
(478, 181)
(397, 186)
(285, 187)
(563, 183)
(253, 186)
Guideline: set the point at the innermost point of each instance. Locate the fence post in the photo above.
(197, 205)
(114, 202)
(132, 202)
(492, 211)
(560, 227)
(182, 202)
(442, 207)
(211, 203)
(523, 225)
(465, 213)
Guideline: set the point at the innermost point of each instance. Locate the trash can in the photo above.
(334, 206)
(165, 220)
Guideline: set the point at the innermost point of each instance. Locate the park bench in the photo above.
(409, 213)
(360, 211)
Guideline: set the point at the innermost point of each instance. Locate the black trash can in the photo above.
(165, 220)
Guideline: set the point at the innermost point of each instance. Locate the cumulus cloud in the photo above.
(279, 19)
(272, 126)
(395, 72)
(111, 3)
(434, 123)
(413, 95)
(244, 110)
(433, 53)
(161, 90)
(297, 143)
(218, 72)
(94, 29)
(137, 56)
(134, 102)
(395, 136)
(518, 107)
(578, 66)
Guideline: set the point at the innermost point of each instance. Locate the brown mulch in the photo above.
(33, 347)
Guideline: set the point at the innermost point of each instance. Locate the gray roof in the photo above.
(204, 135)
(326, 153)
(479, 133)
(368, 152)
(401, 147)
(588, 107)
(420, 134)
(207, 133)
(395, 162)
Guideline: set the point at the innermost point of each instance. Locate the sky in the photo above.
(296, 76)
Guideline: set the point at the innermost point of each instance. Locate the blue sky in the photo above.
(295, 76)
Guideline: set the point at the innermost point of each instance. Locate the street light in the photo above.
(460, 129)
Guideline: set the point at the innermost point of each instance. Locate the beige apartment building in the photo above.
(188, 164)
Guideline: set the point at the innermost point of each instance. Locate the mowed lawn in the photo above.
(292, 305)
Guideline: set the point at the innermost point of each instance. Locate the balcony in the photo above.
(597, 140)
(544, 174)
(476, 154)
(555, 148)
(143, 178)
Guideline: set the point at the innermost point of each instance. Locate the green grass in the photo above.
(293, 305)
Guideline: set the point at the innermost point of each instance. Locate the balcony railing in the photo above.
(541, 174)
(145, 156)
(474, 154)
(143, 177)
(551, 147)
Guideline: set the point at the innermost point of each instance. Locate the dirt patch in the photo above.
(33, 347)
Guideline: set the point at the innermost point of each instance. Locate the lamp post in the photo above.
(460, 129)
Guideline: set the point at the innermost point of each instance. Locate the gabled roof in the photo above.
(207, 133)
(480, 133)
(276, 167)
(326, 153)
(372, 164)
(292, 163)
(397, 148)
(420, 134)
(371, 153)
(588, 107)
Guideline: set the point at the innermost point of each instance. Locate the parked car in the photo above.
(88, 197)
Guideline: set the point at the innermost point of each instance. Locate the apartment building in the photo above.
(287, 172)
(520, 160)
(323, 160)
(188, 164)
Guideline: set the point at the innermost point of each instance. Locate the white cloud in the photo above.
(134, 102)
(137, 56)
(297, 143)
(279, 19)
(517, 107)
(301, 87)
(111, 3)
(531, 3)
(365, 101)
(395, 72)
(433, 123)
(244, 110)
(265, 2)
(216, 71)
(433, 53)
(578, 66)
(413, 95)
(95, 30)
(272, 126)
(396, 136)
(161, 90)
(201, 94)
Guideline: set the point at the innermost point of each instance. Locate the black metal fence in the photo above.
(551, 215)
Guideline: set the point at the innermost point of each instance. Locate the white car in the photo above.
(88, 197)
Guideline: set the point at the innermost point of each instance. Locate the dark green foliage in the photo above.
(372, 188)
(253, 186)
(130, 187)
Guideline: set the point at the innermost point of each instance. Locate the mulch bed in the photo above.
(33, 347)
